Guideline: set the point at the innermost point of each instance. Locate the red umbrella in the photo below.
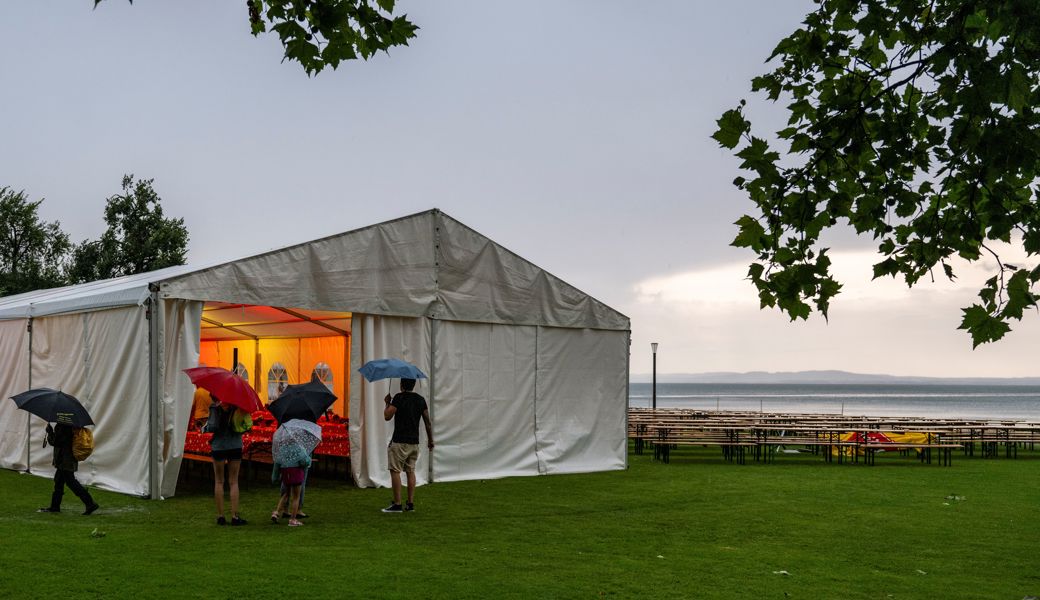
(225, 385)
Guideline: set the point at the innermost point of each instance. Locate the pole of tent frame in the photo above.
(28, 417)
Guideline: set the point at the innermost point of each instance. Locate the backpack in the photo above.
(82, 444)
(241, 421)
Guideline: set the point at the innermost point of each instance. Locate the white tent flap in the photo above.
(101, 358)
(582, 400)
(182, 319)
(382, 337)
(484, 401)
(14, 378)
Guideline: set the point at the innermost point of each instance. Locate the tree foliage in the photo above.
(139, 237)
(916, 123)
(33, 253)
(324, 33)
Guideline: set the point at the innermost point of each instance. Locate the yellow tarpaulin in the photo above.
(881, 437)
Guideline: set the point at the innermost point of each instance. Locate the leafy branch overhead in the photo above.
(324, 33)
(914, 122)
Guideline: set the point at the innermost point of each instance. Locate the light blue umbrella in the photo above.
(390, 368)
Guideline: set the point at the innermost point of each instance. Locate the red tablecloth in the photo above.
(335, 441)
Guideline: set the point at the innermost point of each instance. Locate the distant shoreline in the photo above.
(935, 399)
(829, 377)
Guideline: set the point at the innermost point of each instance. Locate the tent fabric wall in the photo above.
(57, 361)
(485, 401)
(479, 280)
(101, 358)
(220, 354)
(383, 269)
(333, 352)
(424, 265)
(180, 350)
(582, 400)
(14, 378)
(381, 337)
(287, 353)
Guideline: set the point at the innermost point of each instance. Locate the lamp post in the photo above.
(653, 347)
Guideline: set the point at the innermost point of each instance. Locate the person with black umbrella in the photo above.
(55, 406)
(65, 466)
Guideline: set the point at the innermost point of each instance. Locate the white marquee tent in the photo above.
(528, 375)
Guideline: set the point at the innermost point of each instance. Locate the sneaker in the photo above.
(91, 508)
(393, 508)
(274, 517)
(48, 509)
(221, 521)
(295, 523)
(409, 507)
(236, 521)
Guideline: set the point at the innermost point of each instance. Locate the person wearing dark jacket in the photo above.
(65, 466)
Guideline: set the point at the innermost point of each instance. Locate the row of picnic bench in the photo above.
(837, 438)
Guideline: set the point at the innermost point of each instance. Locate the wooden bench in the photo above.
(198, 457)
(871, 449)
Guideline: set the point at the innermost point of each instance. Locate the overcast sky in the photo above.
(574, 133)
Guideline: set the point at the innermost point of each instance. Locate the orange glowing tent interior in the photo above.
(279, 346)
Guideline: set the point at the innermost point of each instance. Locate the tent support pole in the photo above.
(151, 313)
(433, 372)
(539, 463)
(628, 388)
(28, 416)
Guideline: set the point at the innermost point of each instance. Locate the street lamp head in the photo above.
(653, 346)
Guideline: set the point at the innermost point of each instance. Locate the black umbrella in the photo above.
(305, 401)
(53, 406)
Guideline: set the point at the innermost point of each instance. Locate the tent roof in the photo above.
(426, 264)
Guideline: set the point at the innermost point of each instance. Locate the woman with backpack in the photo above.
(65, 466)
(225, 449)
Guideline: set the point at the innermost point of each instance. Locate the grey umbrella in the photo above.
(294, 441)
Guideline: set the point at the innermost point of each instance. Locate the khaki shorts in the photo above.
(402, 457)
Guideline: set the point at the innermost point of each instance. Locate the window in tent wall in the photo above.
(242, 371)
(277, 380)
(324, 374)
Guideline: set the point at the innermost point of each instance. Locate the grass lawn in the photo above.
(695, 528)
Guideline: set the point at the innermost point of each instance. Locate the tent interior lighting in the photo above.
(223, 321)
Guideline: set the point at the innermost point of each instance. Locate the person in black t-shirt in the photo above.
(406, 408)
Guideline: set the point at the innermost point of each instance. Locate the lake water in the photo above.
(910, 400)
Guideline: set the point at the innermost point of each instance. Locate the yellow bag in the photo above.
(82, 444)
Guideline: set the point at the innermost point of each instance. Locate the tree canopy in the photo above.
(324, 33)
(33, 253)
(139, 238)
(914, 122)
(38, 255)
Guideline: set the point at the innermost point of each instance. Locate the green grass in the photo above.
(695, 528)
